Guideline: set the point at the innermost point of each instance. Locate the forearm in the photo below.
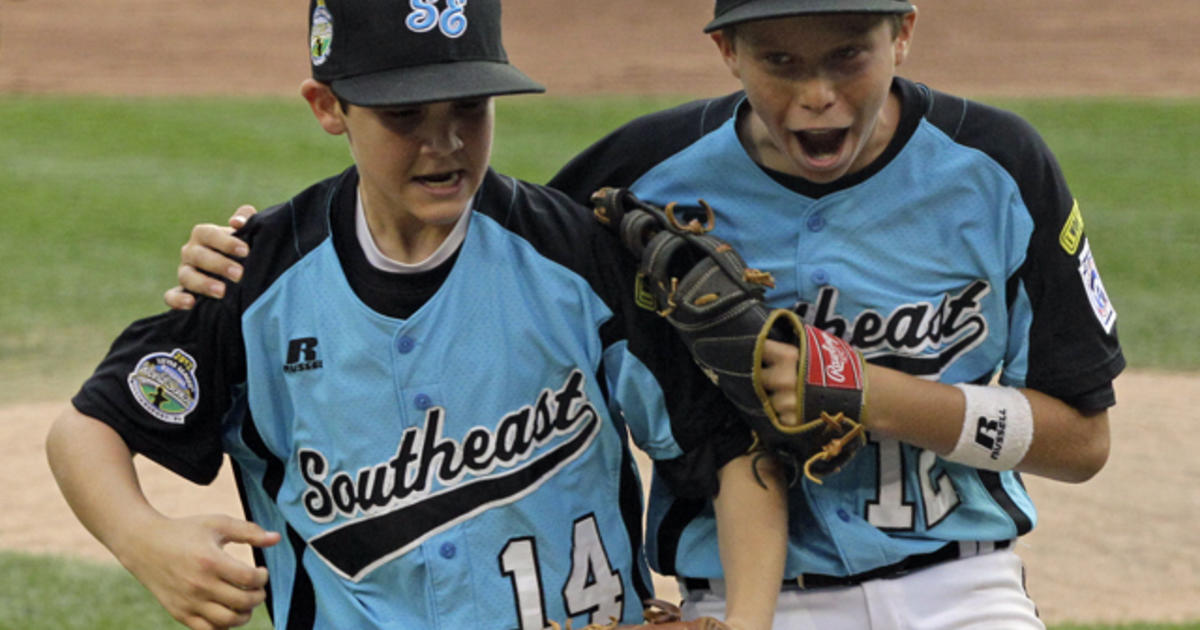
(181, 561)
(1067, 444)
(94, 470)
(752, 535)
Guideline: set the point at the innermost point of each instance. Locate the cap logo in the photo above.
(321, 34)
(426, 16)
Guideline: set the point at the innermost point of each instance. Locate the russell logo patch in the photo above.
(164, 384)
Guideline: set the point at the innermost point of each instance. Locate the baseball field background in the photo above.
(124, 122)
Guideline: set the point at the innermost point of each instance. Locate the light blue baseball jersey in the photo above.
(958, 255)
(465, 465)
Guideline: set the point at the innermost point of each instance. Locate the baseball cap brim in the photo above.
(767, 9)
(435, 82)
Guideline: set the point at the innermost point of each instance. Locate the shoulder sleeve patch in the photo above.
(1101, 306)
(1072, 230)
(164, 384)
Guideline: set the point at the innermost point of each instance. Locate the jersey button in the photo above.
(844, 515)
(447, 550)
(405, 344)
(816, 223)
(820, 276)
(422, 401)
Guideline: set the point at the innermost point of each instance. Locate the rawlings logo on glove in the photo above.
(715, 302)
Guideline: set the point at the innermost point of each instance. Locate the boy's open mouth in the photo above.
(822, 143)
(440, 180)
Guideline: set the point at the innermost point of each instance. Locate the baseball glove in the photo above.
(715, 302)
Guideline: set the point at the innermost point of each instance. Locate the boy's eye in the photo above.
(404, 115)
(846, 54)
(470, 106)
(777, 59)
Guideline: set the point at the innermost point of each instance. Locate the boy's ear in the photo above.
(728, 52)
(325, 106)
(903, 41)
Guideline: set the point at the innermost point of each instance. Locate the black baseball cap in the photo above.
(378, 53)
(730, 12)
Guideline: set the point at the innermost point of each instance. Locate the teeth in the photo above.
(441, 180)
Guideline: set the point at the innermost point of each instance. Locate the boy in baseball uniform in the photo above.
(426, 383)
(939, 238)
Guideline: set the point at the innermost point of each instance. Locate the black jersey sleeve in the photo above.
(169, 381)
(622, 156)
(1074, 352)
(166, 384)
(704, 423)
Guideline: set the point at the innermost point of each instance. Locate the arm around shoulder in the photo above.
(209, 254)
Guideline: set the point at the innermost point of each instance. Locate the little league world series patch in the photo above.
(1098, 297)
(164, 384)
(320, 34)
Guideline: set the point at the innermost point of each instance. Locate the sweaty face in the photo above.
(819, 89)
(421, 164)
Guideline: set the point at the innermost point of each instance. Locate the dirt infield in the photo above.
(633, 46)
(1122, 547)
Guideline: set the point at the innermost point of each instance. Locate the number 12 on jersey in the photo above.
(892, 511)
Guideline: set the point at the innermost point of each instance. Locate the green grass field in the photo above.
(103, 191)
(52, 593)
(47, 593)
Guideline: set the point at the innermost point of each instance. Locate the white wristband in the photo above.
(997, 428)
